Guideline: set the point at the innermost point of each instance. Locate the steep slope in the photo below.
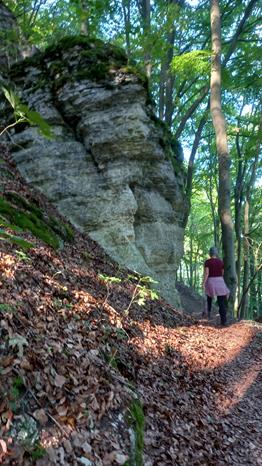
(84, 382)
(63, 331)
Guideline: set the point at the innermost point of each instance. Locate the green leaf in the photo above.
(195, 62)
(23, 113)
(36, 119)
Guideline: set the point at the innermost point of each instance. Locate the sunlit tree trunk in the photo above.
(219, 123)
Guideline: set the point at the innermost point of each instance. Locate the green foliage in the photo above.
(23, 114)
(22, 256)
(112, 359)
(196, 62)
(115, 332)
(21, 242)
(38, 452)
(18, 200)
(142, 291)
(30, 222)
(17, 388)
(30, 218)
(7, 308)
(64, 230)
(109, 279)
(136, 420)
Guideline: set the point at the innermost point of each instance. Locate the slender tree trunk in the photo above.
(166, 101)
(127, 22)
(162, 89)
(190, 169)
(84, 26)
(246, 264)
(259, 294)
(252, 295)
(145, 12)
(219, 123)
(187, 273)
(238, 194)
(191, 262)
(169, 103)
(191, 110)
(249, 266)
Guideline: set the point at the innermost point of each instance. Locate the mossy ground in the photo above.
(136, 420)
(17, 214)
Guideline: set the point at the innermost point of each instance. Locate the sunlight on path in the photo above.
(238, 389)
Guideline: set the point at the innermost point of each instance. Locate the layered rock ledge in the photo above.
(110, 168)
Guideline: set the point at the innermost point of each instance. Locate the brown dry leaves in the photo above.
(84, 360)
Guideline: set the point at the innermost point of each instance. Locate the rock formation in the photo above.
(110, 168)
(9, 51)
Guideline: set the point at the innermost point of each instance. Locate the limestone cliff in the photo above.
(9, 51)
(108, 168)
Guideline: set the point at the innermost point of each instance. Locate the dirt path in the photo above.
(205, 405)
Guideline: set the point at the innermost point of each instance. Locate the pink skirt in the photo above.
(215, 286)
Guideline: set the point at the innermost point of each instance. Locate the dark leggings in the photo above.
(222, 308)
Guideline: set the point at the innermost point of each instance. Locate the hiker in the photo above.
(214, 284)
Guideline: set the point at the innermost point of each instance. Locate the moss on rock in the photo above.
(94, 60)
(28, 217)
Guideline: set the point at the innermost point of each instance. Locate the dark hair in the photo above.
(213, 251)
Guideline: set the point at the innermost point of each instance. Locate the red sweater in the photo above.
(215, 266)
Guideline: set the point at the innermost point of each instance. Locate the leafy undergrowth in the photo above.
(83, 382)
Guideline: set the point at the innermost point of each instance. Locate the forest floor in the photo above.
(83, 382)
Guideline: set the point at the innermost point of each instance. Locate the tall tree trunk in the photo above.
(224, 188)
(238, 195)
(190, 169)
(166, 100)
(84, 25)
(191, 262)
(248, 264)
(169, 103)
(259, 295)
(127, 22)
(162, 89)
(144, 7)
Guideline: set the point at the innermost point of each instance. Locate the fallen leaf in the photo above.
(59, 381)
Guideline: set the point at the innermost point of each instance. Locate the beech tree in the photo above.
(224, 197)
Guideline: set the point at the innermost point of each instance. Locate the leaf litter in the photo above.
(72, 362)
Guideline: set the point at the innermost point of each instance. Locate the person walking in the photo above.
(214, 284)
